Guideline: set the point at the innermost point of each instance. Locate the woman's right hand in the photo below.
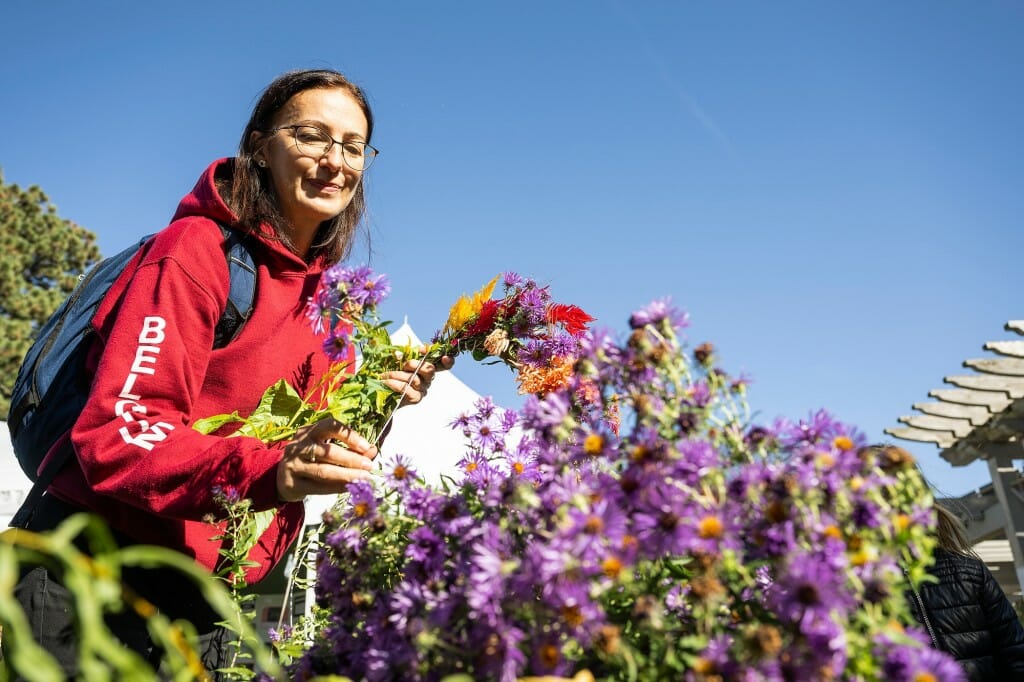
(323, 459)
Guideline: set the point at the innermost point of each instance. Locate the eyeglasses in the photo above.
(315, 143)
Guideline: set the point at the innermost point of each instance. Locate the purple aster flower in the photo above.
(808, 586)
(362, 501)
(522, 464)
(536, 352)
(422, 503)
(376, 288)
(400, 472)
(428, 549)
(346, 540)
(337, 346)
(660, 310)
(320, 308)
(532, 306)
(698, 394)
(512, 279)
(487, 577)
(547, 412)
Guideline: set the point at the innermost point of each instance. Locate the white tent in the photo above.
(420, 432)
(14, 484)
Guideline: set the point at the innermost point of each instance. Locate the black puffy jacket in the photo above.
(967, 615)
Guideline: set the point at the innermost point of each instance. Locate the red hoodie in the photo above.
(141, 465)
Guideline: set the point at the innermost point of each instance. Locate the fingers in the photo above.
(330, 432)
(414, 379)
(324, 458)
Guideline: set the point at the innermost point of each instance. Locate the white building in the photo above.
(14, 484)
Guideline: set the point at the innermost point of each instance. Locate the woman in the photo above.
(964, 611)
(296, 187)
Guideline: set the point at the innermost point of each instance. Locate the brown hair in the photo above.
(252, 195)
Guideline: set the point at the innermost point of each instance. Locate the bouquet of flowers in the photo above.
(536, 337)
(640, 527)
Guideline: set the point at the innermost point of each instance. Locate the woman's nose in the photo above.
(334, 158)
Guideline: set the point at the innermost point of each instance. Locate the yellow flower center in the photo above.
(593, 525)
(925, 677)
(361, 509)
(470, 467)
(400, 472)
(518, 467)
(832, 532)
(611, 567)
(572, 616)
(710, 527)
(901, 522)
(842, 443)
(593, 444)
(703, 666)
(549, 655)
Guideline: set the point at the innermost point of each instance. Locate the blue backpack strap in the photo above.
(242, 274)
(237, 309)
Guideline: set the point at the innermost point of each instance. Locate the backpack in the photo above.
(52, 386)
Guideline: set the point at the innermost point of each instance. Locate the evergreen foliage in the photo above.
(41, 258)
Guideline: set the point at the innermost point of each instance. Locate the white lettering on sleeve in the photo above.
(141, 433)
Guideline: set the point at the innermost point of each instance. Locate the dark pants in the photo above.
(49, 606)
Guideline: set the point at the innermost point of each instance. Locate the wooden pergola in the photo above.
(982, 417)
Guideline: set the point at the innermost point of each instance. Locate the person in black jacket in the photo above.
(965, 612)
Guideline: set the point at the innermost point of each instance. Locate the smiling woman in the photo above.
(295, 191)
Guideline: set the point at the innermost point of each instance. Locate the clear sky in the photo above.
(832, 190)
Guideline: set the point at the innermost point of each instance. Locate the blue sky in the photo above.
(832, 190)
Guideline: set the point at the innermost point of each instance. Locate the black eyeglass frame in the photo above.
(366, 145)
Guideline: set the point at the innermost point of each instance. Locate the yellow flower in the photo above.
(467, 307)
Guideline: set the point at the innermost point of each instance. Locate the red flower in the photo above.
(573, 317)
(484, 321)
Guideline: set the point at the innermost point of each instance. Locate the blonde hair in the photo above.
(949, 529)
(950, 532)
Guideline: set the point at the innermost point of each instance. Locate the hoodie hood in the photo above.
(205, 201)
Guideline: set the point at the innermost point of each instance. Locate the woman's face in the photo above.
(310, 187)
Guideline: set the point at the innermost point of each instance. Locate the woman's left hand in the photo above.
(414, 382)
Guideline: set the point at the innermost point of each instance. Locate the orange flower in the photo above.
(540, 380)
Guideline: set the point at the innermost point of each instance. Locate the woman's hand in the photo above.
(323, 459)
(414, 382)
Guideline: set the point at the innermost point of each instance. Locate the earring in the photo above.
(261, 163)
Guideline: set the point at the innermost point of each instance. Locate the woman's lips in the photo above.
(326, 187)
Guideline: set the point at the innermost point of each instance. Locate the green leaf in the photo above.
(211, 424)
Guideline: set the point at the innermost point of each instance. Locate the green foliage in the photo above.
(41, 258)
(95, 582)
(241, 530)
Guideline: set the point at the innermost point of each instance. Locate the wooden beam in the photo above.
(1013, 349)
(993, 401)
(943, 439)
(1010, 449)
(1004, 477)
(958, 427)
(961, 454)
(1011, 367)
(989, 382)
(1015, 326)
(974, 414)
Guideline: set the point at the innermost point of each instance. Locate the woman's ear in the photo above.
(256, 143)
